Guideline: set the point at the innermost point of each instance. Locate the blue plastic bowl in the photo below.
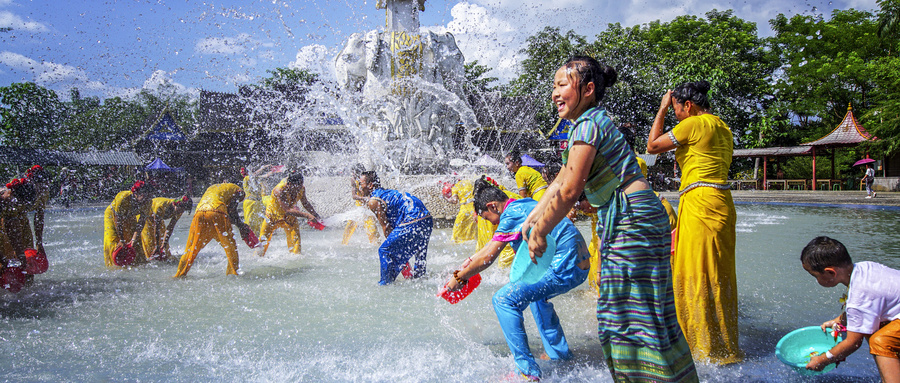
(796, 348)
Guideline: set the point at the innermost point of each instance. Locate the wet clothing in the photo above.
(530, 181)
(276, 218)
(872, 300)
(486, 231)
(512, 299)
(123, 211)
(211, 221)
(464, 227)
(17, 226)
(637, 323)
(254, 209)
(368, 222)
(162, 209)
(703, 264)
(411, 225)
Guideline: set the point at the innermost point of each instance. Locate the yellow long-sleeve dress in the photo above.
(464, 227)
(211, 221)
(254, 209)
(530, 181)
(703, 264)
(17, 226)
(162, 209)
(124, 211)
(368, 223)
(276, 218)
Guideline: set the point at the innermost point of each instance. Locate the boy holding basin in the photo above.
(872, 307)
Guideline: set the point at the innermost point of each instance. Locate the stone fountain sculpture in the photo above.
(411, 84)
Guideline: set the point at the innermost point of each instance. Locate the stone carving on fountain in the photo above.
(412, 84)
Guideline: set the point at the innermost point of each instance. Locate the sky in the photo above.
(110, 48)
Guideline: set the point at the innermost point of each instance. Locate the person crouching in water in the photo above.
(153, 238)
(123, 221)
(568, 269)
(216, 212)
(17, 194)
(282, 212)
(407, 228)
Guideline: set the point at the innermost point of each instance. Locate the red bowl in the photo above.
(35, 262)
(13, 279)
(124, 256)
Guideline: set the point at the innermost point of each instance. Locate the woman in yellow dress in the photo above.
(703, 264)
(254, 209)
(123, 221)
(486, 229)
(282, 212)
(359, 199)
(216, 212)
(153, 239)
(528, 180)
(464, 227)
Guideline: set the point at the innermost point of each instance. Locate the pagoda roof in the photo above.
(848, 132)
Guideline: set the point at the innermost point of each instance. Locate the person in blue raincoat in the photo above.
(407, 228)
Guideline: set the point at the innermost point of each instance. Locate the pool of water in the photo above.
(320, 316)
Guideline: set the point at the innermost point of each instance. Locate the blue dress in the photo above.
(412, 225)
(563, 275)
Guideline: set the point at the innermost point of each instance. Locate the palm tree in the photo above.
(888, 18)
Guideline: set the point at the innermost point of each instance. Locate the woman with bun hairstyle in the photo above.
(638, 327)
(703, 265)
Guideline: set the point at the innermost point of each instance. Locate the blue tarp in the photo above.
(157, 164)
(528, 161)
(560, 131)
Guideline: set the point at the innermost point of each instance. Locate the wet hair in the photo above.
(824, 252)
(515, 156)
(588, 70)
(22, 191)
(372, 176)
(695, 92)
(486, 192)
(296, 178)
(551, 169)
(357, 170)
(185, 203)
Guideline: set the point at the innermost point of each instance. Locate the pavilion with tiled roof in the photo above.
(848, 133)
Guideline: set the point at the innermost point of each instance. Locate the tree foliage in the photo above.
(30, 115)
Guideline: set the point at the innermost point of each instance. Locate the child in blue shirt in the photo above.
(872, 308)
(568, 269)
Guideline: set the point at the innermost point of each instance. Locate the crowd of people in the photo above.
(665, 281)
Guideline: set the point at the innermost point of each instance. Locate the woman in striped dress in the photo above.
(638, 327)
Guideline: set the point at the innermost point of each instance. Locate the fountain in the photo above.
(409, 89)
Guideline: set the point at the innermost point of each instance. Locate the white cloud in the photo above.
(16, 23)
(226, 45)
(163, 82)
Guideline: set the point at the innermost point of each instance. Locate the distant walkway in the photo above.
(807, 196)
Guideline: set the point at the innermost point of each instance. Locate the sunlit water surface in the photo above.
(320, 316)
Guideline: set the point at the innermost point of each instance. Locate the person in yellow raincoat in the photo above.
(282, 212)
(360, 200)
(17, 226)
(123, 221)
(703, 263)
(528, 180)
(464, 227)
(216, 212)
(254, 209)
(486, 229)
(155, 236)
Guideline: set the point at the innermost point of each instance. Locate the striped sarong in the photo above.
(638, 326)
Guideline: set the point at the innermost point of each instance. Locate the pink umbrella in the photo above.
(863, 161)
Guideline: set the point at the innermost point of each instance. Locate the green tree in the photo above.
(30, 115)
(544, 53)
(475, 80)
